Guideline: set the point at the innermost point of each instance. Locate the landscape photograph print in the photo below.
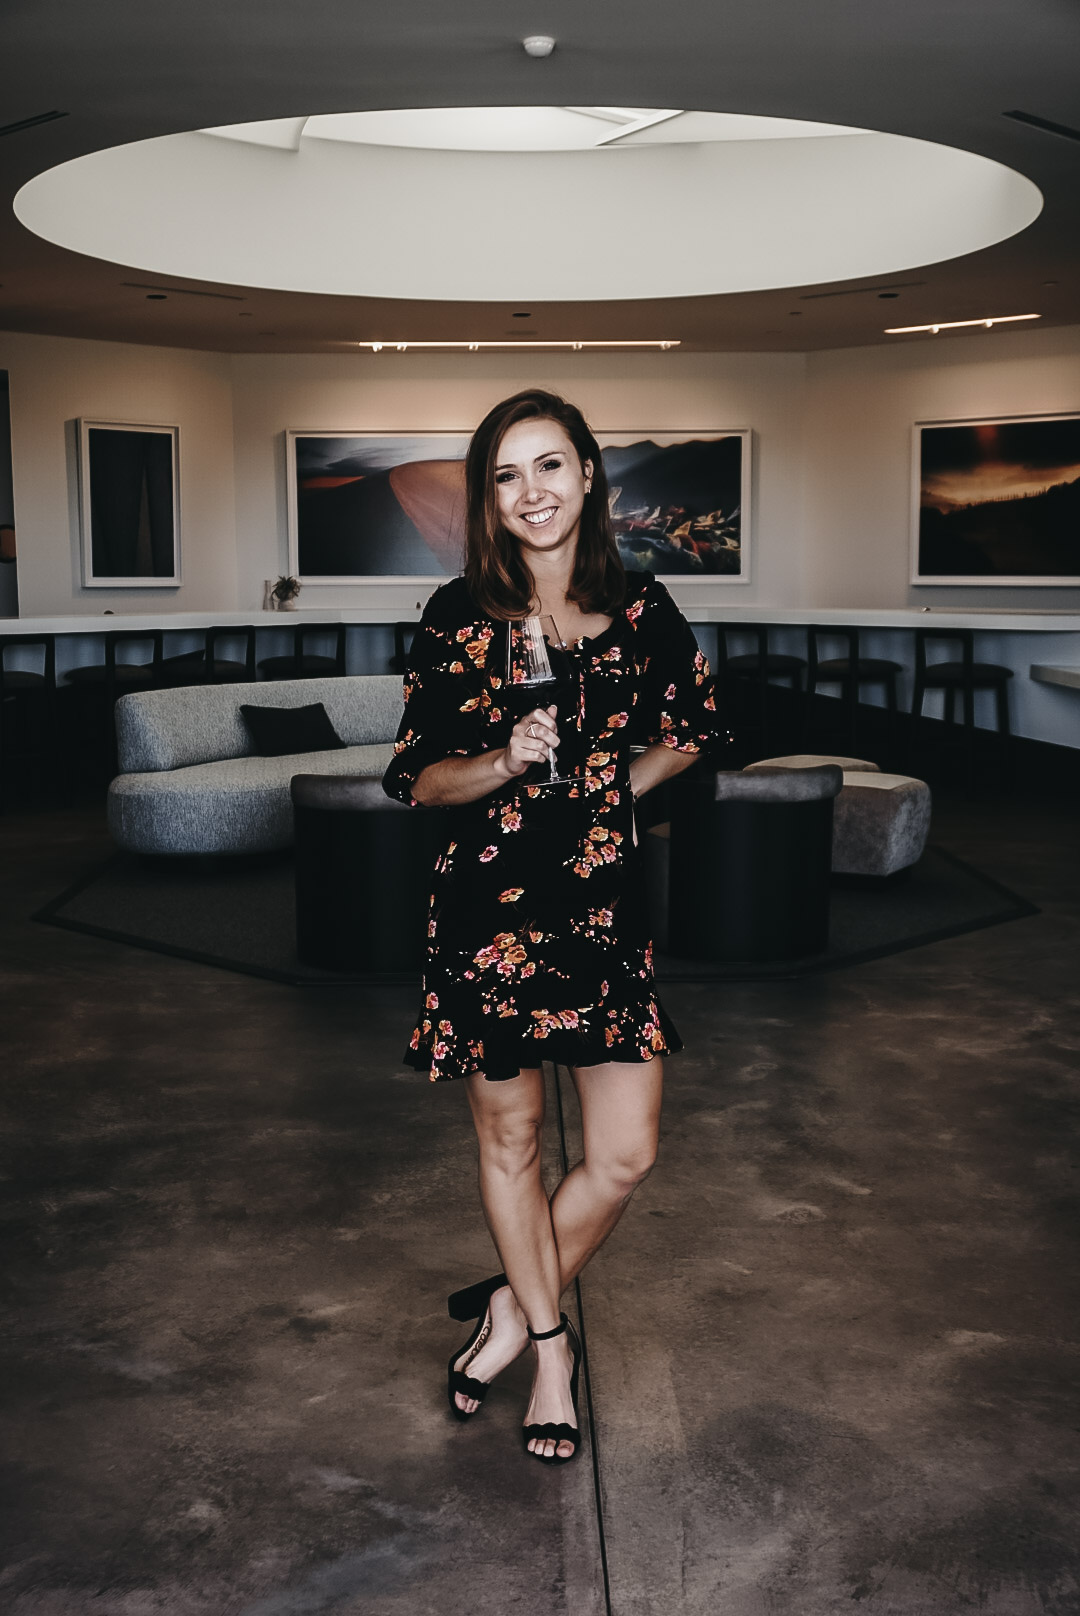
(997, 501)
(386, 505)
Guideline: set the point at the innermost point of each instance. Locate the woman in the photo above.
(538, 940)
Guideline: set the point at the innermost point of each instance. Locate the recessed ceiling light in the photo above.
(955, 325)
(522, 342)
(538, 44)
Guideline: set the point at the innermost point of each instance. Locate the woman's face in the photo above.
(540, 485)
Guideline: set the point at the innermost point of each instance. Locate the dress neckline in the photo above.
(636, 585)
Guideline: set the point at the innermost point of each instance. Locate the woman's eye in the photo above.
(551, 465)
(503, 476)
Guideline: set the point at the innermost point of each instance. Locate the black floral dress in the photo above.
(538, 939)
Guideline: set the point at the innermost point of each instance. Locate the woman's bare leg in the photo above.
(620, 1116)
(509, 1118)
(620, 1108)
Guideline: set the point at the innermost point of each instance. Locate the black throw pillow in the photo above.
(277, 731)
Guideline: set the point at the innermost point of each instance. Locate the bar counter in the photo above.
(1012, 636)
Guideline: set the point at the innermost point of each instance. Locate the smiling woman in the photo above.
(765, 202)
(538, 938)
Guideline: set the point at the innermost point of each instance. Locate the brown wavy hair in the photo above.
(499, 578)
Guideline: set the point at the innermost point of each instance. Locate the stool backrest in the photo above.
(152, 637)
(29, 642)
(815, 631)
(237, 631)
(962, 637)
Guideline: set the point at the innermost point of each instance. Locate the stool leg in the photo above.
(918, 696)
(969, 731)
(890, 709)
(1004, 732)
(808, 710)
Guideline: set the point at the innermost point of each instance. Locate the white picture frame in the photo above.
(1016, 468)
(129, 505)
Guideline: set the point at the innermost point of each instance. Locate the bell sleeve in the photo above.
(678, 699)
(445, 697)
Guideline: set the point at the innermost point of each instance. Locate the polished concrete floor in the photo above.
(832, 1350)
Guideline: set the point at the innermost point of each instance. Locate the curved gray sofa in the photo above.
(190, 781)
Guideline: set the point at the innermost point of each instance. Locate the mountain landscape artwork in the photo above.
(999, 502)
(383, 505)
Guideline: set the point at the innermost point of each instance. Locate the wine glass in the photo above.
(540, 672)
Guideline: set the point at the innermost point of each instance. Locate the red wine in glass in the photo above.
(540, 672)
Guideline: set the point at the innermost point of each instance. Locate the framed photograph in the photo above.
(680, 502)
(388, 507)
(375, 507)
(996, 501)
(129, 505)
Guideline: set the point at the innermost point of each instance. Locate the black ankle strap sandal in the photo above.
(472, 1303)
(550, 1431)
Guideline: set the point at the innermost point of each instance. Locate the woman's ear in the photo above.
(586, 472)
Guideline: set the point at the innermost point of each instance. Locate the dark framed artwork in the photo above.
(129, 505)
(389, 506)
(996, 501)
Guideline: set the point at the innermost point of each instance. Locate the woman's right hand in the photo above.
(530, 739)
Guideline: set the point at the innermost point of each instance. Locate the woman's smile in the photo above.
(540, 484)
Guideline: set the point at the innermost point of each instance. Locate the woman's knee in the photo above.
(511, 1145)
(626, 1167)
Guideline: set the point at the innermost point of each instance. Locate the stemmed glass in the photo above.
(540, 672)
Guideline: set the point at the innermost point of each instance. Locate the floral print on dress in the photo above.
(538, 940)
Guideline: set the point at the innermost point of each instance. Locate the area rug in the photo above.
(238, 914)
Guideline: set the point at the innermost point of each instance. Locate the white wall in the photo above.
(832, 448)
(416, 391)
(860, 407)
(54, 381)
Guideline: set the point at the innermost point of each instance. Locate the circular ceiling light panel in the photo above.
(482, 204)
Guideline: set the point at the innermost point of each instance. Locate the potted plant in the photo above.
(284, 592)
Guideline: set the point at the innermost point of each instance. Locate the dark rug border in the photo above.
(669, 968)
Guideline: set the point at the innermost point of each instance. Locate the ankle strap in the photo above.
(547, 1335)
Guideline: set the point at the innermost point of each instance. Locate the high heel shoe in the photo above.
(471, 1302)
(557, 1433)
(474, 1302)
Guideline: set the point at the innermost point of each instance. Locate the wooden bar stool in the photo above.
(400, 659)
(850, 672)
(753, 671)
(965, 676)
(206, 667)
(102, 683)
(28, 728)
(116, 676)
(305, 664)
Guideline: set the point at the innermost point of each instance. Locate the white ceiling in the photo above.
(941, 71)
(487, 225)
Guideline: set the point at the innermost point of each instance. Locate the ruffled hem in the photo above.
(511, 1056)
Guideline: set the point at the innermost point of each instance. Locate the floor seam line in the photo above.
(594, 1445)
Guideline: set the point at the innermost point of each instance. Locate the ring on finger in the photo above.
(529, 733)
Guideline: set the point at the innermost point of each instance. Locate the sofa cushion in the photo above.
(238, 806)
(172, 729)
(277, 731)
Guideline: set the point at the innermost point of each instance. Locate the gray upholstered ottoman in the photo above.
(880, 824)
(880, 821)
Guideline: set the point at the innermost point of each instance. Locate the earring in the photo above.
(588, 488)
